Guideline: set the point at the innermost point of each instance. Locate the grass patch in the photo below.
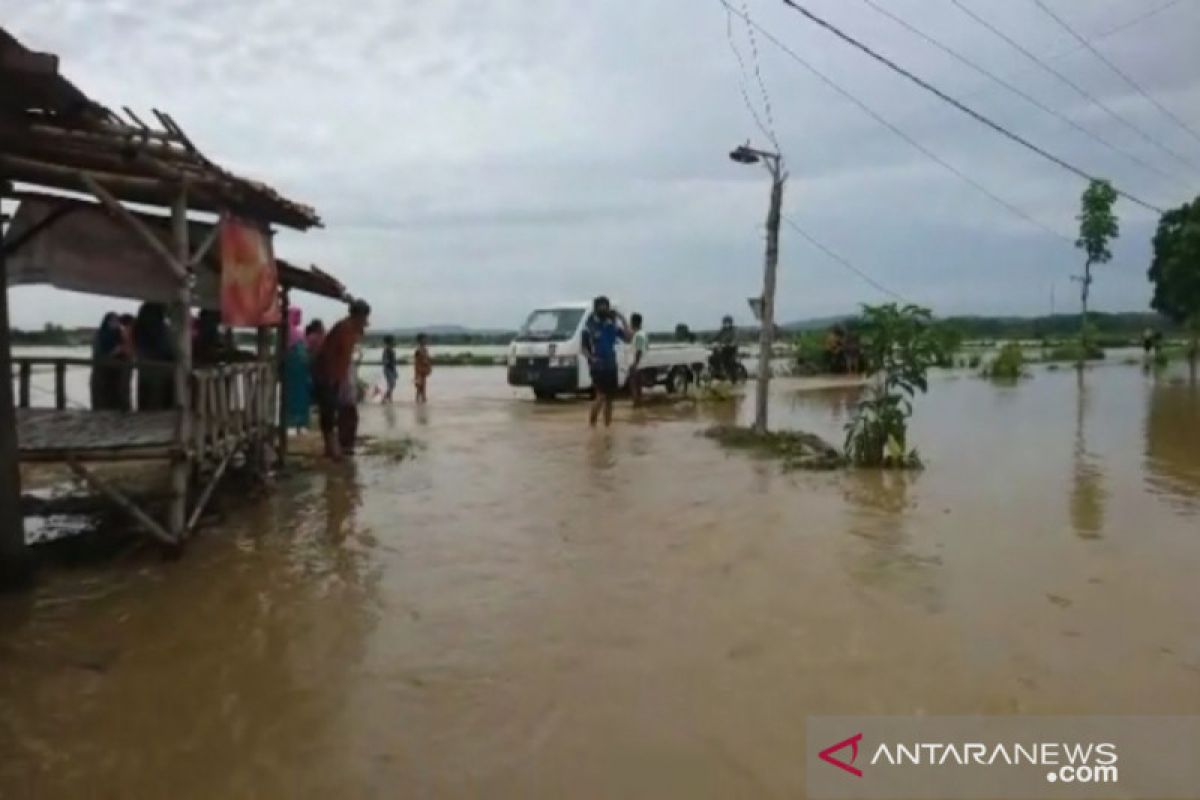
(796, 449)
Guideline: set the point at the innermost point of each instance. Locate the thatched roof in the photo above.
(51, 133)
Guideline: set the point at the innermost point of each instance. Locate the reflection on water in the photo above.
(1087, 490)
(533, 609)
(1173, 441)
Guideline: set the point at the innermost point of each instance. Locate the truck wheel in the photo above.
(678, 380)
(543, 394)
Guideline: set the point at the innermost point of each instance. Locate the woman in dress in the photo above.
(297, 373)
(106, 375)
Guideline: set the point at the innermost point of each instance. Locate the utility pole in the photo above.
(745, 154)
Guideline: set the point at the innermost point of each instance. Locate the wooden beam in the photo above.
(17, 242)
(16, 564)
(281, 373)
(181, 328)
(137, 226)
(206, 495)
(200, 252)
(122, 502)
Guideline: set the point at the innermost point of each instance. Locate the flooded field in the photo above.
(530, 609)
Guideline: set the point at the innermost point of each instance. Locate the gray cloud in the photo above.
(472, 159)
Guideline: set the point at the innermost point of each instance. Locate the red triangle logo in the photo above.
(827, 756)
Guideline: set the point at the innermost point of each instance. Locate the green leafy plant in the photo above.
(901, 344)
(1175, 270)
(1097, 226)
(808, 349)
(1009, 363)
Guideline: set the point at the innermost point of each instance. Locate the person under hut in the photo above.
(156, 359)
(108, 350)
(297, 374)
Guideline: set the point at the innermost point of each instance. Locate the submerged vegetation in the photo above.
(1009, 364)
(796, 449)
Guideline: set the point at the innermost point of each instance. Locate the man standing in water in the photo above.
(604, 328)
(641, 343)
(331, 371)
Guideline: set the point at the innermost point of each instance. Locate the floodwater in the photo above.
(529, 609)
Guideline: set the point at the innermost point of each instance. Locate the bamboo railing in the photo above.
(231, 403)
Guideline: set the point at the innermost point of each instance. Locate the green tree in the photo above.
(1097, 226)
(1175, 269)
(900, 344)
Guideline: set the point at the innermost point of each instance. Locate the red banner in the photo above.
(249, 281)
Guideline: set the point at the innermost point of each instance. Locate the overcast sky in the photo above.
(473, 159)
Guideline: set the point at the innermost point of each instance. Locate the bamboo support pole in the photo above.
(122, 502)
(181, 329)
(281, 374)
(179, 228)
(25, 381)
(60, 385)
(16, 566)
(206, 495)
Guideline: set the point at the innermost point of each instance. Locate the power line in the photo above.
(762, 86)
(1137, 20)
(997, 127)
(1075, 86)
(729, 12)
(1120, 73)
(871, 112)
(840, 259)
(1016, 90)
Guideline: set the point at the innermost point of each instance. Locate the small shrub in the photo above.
(901, 345)
(1009, 363)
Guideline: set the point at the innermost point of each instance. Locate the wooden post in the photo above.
(767, 333)
(16, 564)
(181, 327)
(60, 385)
(26, 378)
(281, 374)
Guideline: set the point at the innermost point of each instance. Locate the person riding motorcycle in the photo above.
(725, 351)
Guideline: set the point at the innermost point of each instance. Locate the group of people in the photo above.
(422, 367)
(125, 342)
(320, 370)
(605, 327)
(843, 351)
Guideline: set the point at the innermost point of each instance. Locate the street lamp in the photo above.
(745, 154)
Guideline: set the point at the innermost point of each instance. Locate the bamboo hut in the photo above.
(54, 139)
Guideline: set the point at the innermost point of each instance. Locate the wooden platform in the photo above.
(45, 434)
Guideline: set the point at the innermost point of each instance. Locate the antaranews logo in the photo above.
(1069, 762)
(827, 756)
(1002, 757)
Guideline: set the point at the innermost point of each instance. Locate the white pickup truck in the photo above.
(547, 355)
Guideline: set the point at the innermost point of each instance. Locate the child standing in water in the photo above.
(389, 366)
(422, 366)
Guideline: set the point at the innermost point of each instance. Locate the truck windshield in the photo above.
(550, 325)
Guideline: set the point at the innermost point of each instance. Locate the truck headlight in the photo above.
(562, 361)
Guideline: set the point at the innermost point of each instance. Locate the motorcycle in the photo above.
(725, 364)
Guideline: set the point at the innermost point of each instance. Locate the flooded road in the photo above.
(529, 609)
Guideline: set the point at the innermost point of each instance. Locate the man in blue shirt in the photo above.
(603, 329)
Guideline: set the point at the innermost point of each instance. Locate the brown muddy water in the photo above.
(529, 609)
